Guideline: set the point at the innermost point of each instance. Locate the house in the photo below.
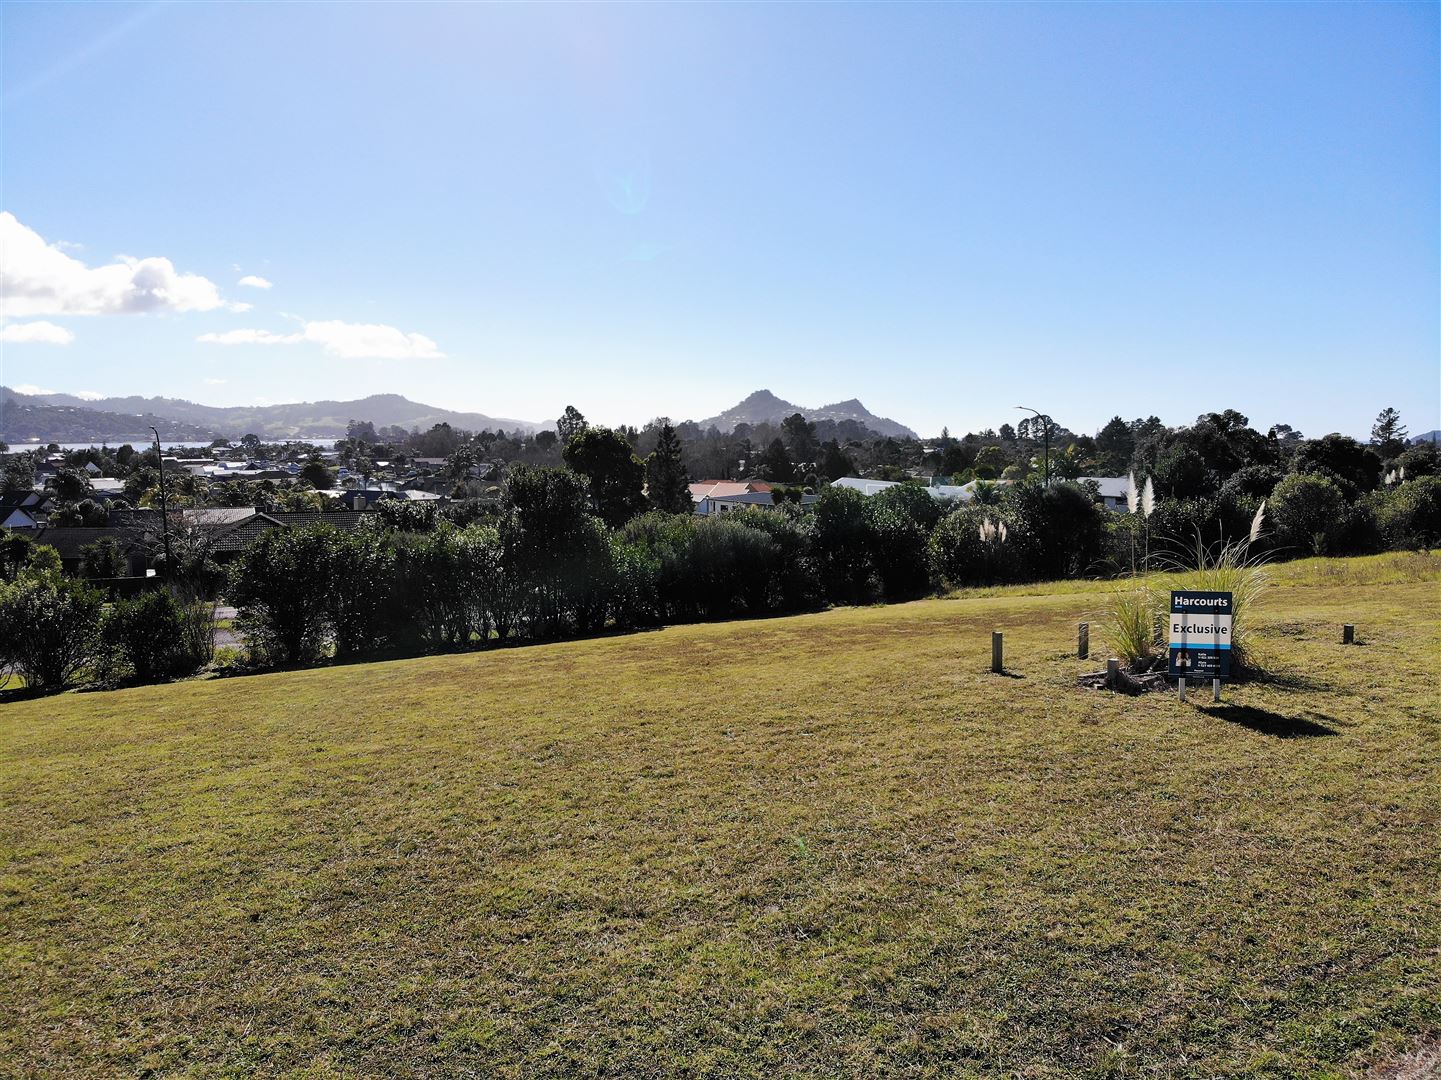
(138, 544)
(953, 492)
(363, 498)
(105, 488)
(864, 486)
(17, 517)
(23, 509)
(707, 496)
(721, 496)
(1112, 490)
(227, 543)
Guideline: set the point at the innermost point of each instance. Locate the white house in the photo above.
(722, 496)
(957, 492)
(1112, 488)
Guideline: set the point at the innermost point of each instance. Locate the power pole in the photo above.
(1045, 422)
(164, 508)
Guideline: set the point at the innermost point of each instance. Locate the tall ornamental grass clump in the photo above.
(1228, 567)
(1137, 610)
(1128, 624)
(1129, 620)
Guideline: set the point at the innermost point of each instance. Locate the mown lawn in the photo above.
(829, 845)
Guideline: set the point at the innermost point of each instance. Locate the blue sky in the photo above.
(945, 211)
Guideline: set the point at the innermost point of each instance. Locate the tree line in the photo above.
(550, 565)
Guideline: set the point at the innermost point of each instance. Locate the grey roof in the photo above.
(1112, 487)
(69, 542)
(216, 516)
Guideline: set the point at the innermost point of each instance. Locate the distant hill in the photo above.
(29, 419)
(763, 407)
(1429, 436)
(309, 419)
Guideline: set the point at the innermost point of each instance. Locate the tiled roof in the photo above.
(341, 519)
(217, 516)
(248, 531)
(68, 542)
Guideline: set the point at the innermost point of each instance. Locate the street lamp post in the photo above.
(164, 508)
(1045, 422)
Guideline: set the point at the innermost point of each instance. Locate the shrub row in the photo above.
(548, 568)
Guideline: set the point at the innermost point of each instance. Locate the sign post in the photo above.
(1200, 638)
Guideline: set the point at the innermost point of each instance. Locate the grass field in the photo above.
(828, 845)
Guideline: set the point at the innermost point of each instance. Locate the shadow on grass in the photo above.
(1286, 680)
(1266, 722)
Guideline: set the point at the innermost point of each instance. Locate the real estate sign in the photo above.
(1201, 635)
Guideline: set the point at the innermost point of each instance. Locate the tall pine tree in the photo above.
(667, 483)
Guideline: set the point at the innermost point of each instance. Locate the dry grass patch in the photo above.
(823, 845)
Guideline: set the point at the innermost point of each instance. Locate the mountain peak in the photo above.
(764, 407)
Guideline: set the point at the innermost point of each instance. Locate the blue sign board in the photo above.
(1200, 635)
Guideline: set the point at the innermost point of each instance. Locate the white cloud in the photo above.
(215, 382)
(42, 333)
(31, 389)
(349, 341)
(37, 278)
(239, 307)
(254, 282)
(89, 395)
(356, 341)
(251, 337)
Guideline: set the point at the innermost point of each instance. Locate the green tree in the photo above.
(281, 583)
(68, 485)
(102, 559)
(800, 437)
(1357, 468)
(667, 481)
(49, 628)
(775, 463)
(1388, 434)
(835, 463)
(616, 475)
(1410, 514)
(86, 513)
(361, 603)
(990, 461)
(18, 473)
(317, 474)
(1055, 530)
(571, 423)
(841, 543)
(1181, 473)
(1307, 512)
(1115, 443)
(361, 431)
(554, 553)
(148, 634)
(898, 521)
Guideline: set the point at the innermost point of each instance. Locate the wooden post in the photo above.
(1181, 687)
(1348, 634)
(1083, 641)
(997, 646)
(1215, 689)
(1113, 673)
